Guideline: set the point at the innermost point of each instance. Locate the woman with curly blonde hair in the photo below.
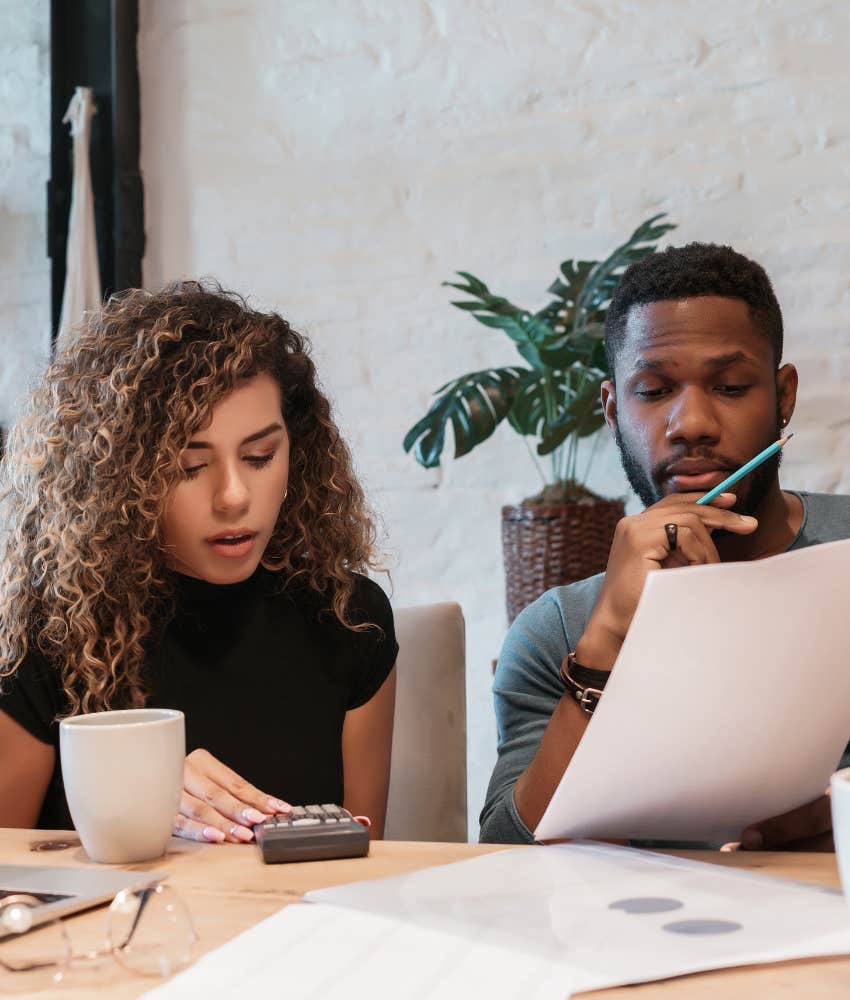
(183, 529)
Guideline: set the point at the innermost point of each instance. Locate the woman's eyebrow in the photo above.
(261, 434)
(251, 437)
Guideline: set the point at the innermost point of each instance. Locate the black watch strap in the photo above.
(584, 683)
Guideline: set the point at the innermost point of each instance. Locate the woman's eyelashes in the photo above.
(256, 461)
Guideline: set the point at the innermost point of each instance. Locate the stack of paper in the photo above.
(530, 924)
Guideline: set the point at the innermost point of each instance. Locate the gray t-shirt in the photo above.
(527, 686)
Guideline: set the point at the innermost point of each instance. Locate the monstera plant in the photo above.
(552, 398)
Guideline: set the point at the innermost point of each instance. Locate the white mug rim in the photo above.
(87, 721)
(840, 776)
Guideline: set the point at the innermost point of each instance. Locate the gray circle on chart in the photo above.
(647, 904)
(703, 926)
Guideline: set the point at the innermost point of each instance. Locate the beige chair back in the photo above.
(427, 797)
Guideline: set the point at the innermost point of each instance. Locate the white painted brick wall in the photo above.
(24, 169)
(338, 160)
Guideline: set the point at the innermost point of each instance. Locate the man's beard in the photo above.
(755, 486)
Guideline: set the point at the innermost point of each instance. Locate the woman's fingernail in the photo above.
(241, 832)
(748, 519)
(253, 816)
(212, 834)
(728, 496)
(279, 806)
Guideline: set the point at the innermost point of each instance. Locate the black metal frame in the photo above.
(93, 44)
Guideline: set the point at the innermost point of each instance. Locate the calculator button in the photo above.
(307, 821)
(298, 812)
(331, 819)
(315, 810)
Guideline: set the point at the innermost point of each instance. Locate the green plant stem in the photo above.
(534, 461)
(558, 463)
(575, 438)
(563, 449)
(587, 468)
(573, 457)
(549, 406)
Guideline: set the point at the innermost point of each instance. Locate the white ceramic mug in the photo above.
(123, 774)
(839, 785)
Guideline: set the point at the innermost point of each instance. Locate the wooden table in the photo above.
(228, 889)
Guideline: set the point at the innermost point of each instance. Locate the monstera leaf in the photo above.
(474, 404)
(595, 293)
(527, 330)
(556, 399)
(584, 290)
(537, 395)
(575, 274)
(581, 417)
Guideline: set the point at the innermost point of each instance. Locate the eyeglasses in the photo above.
(148, 931)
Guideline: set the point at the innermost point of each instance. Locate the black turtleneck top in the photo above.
(263, 677)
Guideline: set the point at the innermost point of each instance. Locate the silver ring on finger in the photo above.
(672, 532)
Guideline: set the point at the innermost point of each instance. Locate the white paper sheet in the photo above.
(528, 924)
(325, 952)
(729, 703)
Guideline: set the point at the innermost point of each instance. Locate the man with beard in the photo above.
(693, 338)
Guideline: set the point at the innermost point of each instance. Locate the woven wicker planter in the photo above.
(549, 545)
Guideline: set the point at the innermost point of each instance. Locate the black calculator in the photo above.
(312, 833)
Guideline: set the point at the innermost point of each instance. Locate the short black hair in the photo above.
(687, 272)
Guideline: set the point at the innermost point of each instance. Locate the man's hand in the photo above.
(639, 546)
(217, 805)
(808, 828)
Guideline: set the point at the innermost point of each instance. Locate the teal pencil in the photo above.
(753, 463)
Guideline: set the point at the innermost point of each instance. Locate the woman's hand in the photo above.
(217, 805)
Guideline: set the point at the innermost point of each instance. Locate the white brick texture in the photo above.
(24, 169)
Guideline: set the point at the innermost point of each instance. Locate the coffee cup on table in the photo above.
(839, 785)
(123, 775)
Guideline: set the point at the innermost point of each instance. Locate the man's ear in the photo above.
(786, 392)
(608, 394)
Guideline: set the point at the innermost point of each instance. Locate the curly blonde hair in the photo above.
(90, 465)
